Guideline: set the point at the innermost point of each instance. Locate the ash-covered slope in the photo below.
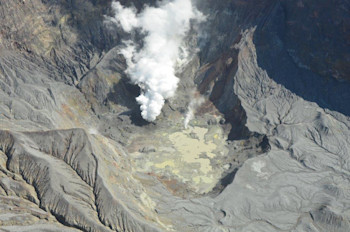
(267, 148)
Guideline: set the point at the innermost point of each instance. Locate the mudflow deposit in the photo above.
(175, 115)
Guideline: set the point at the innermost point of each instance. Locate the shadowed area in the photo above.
(303, 57)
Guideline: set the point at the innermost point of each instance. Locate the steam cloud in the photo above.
(153, 66)
(192, 107)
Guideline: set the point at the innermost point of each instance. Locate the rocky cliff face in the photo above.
(267, 149)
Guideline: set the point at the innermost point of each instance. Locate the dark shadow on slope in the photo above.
(217, 82)
(124, 94)
(276, 56)
(224, 182)
(219, 33)
(254, 146)
(224, 23)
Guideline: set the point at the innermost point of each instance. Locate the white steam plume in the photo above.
(153, 66)
(192, 107)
